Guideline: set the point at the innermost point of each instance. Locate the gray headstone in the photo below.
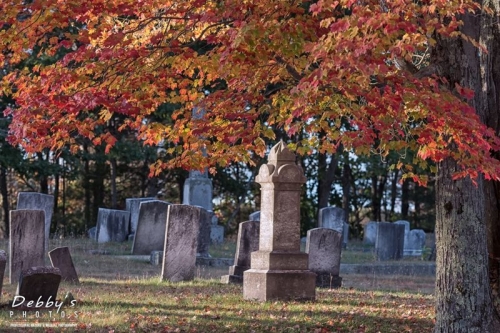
(332, 218)
(27, 241)
(255, 216)
(406, 224)
(132, 206)
(416, 242)
(181, 242)
(247, 242)
(198, 191)
(204, 233)
(216, 234)
(150, 233)
(61, 258)
(324, 247)
(39, 283)
(38, 201)
(390, 241)
(3, 263)
(92, 232)
(112, 225)
(345, 234)
(370, 234)
(156, 258)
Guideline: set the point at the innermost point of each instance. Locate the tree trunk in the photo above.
(86, 186)
(346, 187)
(463, 295)
(405, 199)
(5, 201)
(464, 301)
(326, 176)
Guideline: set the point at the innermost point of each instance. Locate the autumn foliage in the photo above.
(342, 71)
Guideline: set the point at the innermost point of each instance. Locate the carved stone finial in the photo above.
(280, 153)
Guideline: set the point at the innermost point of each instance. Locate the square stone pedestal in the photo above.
(267, 285)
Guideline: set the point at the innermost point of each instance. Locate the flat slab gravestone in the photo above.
(390, 241)
(247, 242)
(181, 242)
(150, 232)
(416, 242)
(39, 283)
(3, 263)
(132, 205)
(112, 225)
(324, 247)
(406, 224)
(334, 218)
(27, 241)
(61, 258)
(38, 201)
(370, 232)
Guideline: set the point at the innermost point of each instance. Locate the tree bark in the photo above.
(464, 299)
(463, 295)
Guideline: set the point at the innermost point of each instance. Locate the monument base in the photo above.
(326, 280)
(266, 285)
(227, 279)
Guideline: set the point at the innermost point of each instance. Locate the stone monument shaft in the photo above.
(279, 270)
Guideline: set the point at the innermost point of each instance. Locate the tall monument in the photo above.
(279, 271)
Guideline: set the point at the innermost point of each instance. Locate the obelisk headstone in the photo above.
(279, 271)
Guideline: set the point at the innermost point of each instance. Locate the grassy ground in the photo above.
(123, 295)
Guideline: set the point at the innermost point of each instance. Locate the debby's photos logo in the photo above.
(42, 313)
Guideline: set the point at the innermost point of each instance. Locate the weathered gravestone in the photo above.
(39, 283)
(324, 247)
(112, 225)
(334, 218)
(204, 223)
(181, 242)
(150, 232)
(27, 241)
(38, 201)
(3, 263)
(255, 216)
(370, 232)
(216, 230)
(279, 271)
(132, 205)
(156, 258)
(406, 224)
(416, 242)
(248, 242)
(61, 258)
(92, 233)
(390, 241)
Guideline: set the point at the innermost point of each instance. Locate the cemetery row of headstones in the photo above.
(394, 240)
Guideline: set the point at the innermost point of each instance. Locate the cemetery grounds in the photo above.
(123, 293)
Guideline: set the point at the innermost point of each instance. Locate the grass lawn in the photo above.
(123, 295)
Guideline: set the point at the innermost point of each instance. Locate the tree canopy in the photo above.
(345, 72)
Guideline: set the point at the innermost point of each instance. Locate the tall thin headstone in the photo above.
(27, 241)
(132, 205)
(324, 246)
(255, 216)
(150, 232)
(181, 242)
(61, 259)
(279, 271)
(198, 191)
(38, 201)
(248, 242)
